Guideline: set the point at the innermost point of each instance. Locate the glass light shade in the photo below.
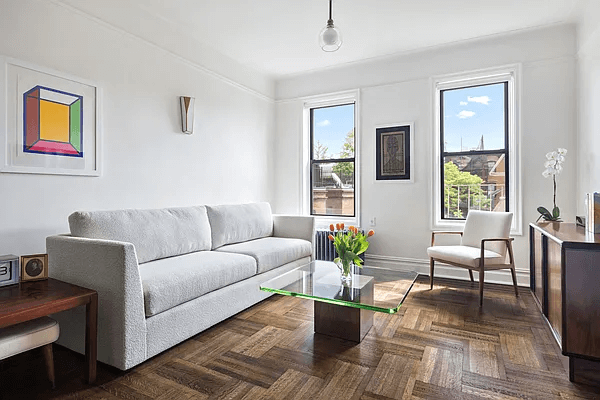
(330, 38)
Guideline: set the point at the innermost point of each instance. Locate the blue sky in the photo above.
(331, 124)
(472, 112)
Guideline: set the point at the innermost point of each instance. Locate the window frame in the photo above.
(511, 76)
(330, 160)
(322, 101)
(504, 151)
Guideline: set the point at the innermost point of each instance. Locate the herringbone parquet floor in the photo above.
(439, 346)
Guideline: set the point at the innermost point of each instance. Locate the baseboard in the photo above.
(444, 270)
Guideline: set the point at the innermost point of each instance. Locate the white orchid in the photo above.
(553, 166)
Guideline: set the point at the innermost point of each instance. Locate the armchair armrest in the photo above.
(508, 242)
(443, 233)
(497, 240)
(110, 268)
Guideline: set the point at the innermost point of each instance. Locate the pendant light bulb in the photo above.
(330, 38)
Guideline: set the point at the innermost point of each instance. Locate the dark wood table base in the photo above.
(342, 321)
(31, 300)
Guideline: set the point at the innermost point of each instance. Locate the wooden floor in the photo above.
(439, 346)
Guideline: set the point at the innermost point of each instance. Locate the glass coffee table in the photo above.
(344, 310)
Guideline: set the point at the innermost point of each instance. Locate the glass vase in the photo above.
(346, 271)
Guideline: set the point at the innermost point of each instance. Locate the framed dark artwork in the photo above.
(394, 156)
(34, 267)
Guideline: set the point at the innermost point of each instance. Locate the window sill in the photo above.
(322, 223)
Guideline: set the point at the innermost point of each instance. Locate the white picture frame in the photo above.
(65, 138)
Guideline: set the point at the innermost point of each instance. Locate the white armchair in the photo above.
(483, 246)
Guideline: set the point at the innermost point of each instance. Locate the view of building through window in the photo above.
(332, 160)
(474, 140)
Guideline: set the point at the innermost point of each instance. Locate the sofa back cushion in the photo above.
(237, 223)
(155, 234)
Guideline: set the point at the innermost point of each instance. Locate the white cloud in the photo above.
(465, 114)
(463, 103)
(480, 99)
(324, 123)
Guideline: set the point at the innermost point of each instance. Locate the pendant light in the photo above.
(330, 38)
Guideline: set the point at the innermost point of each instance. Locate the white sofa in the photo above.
(165, 275)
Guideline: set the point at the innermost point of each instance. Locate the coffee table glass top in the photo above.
(372, 288)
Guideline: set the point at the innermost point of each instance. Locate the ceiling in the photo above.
(280, 37)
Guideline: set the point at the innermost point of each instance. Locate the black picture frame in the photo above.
(393, 153)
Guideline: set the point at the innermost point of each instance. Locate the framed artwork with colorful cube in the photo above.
(53, 121)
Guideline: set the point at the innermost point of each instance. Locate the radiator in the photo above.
(324, 247)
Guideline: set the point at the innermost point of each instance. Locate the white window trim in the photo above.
(332, 99)
(512, 74)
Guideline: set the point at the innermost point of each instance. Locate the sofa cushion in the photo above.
(154, 233)
(173, 281)
(465, 255)
(239, 222)
(271, 252)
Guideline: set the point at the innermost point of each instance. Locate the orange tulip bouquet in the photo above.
(349, 245)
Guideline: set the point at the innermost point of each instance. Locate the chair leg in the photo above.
(431, 262)
(514, 279)
(47, 349)
(481, 273)
(471, 276)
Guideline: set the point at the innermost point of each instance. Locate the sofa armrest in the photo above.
(294, 226)
(110, 268)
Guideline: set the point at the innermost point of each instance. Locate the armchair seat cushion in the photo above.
(271, 252)
(465, 255)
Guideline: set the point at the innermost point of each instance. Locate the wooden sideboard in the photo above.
(565, 281)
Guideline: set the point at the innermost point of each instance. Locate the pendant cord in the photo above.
(330, 9)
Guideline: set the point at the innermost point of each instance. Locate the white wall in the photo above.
(147, 161)
(398, 89)
(588, 44)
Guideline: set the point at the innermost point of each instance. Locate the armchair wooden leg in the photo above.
(481, 273)
(431, 262)
(47, 349)
(471, 276)
(514, 279)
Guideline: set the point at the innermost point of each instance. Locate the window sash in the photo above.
(449, 86)
(312, 192)
(331, 160)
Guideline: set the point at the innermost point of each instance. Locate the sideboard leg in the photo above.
(584, 371)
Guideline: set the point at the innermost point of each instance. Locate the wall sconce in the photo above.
(187, 114)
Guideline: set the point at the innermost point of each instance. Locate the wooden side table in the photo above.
(31, 300)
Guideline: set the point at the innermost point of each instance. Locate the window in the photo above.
(476, 157)
(474, 141)
(332, 160)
